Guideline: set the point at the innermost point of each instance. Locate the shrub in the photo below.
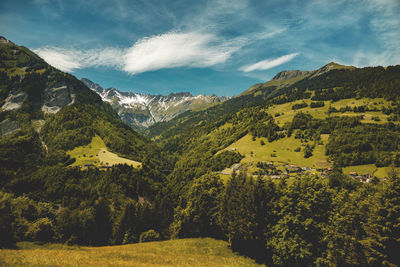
(129, 238)
(41, 230)
(317, 104)
(149, 236)
(299, 106)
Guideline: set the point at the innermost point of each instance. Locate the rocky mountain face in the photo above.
(286, 78)
(45, 112)
(286, 75)
(143, 110)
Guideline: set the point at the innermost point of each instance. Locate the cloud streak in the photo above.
(71, 59)
(169, 50)
(174, 49)
(268, 63)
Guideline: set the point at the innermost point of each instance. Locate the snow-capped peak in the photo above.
(143, 110)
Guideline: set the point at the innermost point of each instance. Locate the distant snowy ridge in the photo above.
(143, 110)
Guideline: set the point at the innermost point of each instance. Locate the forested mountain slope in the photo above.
(45, 113)
(280, 170)
(310, 119)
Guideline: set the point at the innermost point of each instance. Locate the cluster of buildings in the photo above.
(269, 169)
(365, 178)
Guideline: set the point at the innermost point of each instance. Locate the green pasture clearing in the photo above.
(283, 149)
(287, 113)
(379, 172)
(96, 153)
(181, 252)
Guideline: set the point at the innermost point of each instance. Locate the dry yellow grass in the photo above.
(181, 252)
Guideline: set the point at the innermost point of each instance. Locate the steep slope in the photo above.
(254, 96)
(45, 113)
(286, 78)
(342, 106)
(143, 110)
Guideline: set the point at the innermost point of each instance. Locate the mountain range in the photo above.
(143, 110)
(319, 148)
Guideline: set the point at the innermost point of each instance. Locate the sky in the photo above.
(205, 46)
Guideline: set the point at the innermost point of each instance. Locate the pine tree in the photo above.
(383, 227)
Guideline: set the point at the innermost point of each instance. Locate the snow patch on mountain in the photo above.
(143, 110)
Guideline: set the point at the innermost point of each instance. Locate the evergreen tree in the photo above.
(383, 226)
(200, 215)
(303, 213)
(237, 215)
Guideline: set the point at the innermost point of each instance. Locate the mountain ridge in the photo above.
(143, 110)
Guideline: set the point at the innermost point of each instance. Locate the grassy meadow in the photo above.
(282, 150)
(287, 113)
(181, 252)
(379, 172)
(96, 153)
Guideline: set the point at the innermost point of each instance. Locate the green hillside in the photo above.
(48, 120)
(331, 92)
(97, 154)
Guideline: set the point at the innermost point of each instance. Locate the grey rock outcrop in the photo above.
(9, 127)
(56, 97)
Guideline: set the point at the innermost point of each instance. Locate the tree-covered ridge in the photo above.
(371, 82)
(81, 206)
(324, 84)
(178, 126)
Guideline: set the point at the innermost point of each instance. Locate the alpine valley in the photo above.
(301, 170)
(143, 110)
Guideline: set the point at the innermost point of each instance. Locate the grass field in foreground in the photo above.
(96, 153)
(181, 252)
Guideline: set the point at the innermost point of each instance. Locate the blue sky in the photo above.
(216, 46)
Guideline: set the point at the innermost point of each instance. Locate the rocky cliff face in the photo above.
(286, 75)
(52, 99)
(143, 110)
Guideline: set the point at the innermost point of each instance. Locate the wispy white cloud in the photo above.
(169, 50)
(268, 63)
(65, 60)
(174, 49)
(71, 59)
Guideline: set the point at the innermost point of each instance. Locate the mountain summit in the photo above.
(143, 110)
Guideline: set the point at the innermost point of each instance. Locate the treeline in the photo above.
(365, 144)
(198, 154)
(351, 142)
(307, 222)
(369, 82)
(91, 207)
